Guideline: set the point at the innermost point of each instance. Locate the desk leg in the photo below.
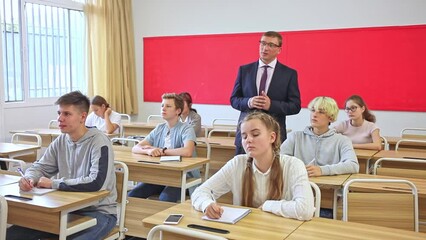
(63, 226)
(335, 203)
(183, 187)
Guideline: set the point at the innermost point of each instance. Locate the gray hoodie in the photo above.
(83, 166)
(331, 151)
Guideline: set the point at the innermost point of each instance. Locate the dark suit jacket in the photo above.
(283, 92)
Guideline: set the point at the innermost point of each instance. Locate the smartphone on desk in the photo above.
(173, 219)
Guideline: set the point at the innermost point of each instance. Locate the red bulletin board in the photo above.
(385, 65)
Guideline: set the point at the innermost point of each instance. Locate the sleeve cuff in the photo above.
(267, 206)
(55, 183)
(325, 170)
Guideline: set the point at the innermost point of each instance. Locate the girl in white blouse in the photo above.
(260, 178)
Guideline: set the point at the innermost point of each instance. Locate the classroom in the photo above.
(156, 22)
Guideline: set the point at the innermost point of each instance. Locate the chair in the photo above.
(30, 139)
(181, 231)
(384, 143)
(376, 207)
(317, 193)
(129, 142)
(223, 125)
(53, 124)
(3, 217)
(154, 119)
(401, 168)
(413, 133)
(12, 163)
(408, 144)
(125, 118)
(122, 177)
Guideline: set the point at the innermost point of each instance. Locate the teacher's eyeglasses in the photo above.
(351, 109)
(270, 45)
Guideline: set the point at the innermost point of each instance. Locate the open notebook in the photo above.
(230, 215)
(38, 191)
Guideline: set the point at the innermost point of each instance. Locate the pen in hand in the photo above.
(23, 176)
(310, 163)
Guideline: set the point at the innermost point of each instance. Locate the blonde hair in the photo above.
(276, 177)
(325, 104)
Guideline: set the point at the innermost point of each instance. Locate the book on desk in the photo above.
(230, 215)
(38, 191)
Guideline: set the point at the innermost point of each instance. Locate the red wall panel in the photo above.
(385, 65)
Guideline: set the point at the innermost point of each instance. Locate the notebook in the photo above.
(38, 191)
(170, 159)
(230, 215)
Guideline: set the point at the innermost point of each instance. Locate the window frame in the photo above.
(27, 101)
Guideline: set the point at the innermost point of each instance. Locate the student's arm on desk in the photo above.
(186, 151)
(375, 145)
(144, 147)
(214, 187)
(301, 204)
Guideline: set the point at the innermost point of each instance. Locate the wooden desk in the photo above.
(327, 229)
(257, 225)
(8, 179)
(222, 149)
(392, 140)
(10, 150)
(48, 212)
(401, 154)
(49, 135)
(330, 186)
(137, 128)
(364, 156)
(396, 187)
(168, 174)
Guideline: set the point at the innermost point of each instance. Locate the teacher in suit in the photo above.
(266, 85)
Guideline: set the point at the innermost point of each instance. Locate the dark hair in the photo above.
(75, 98)
(276, 177)
(178, 100)
(274, 35)
(367, 115)
(99, 101)
(188, 99)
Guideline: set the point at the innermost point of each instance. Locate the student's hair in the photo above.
(276, 177)
(367, 115)
(177, 99)
(75, 98)
(188, 99)
(99, 101)
(326, 104)
(274, 35)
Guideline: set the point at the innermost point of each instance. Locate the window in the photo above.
(43, 45)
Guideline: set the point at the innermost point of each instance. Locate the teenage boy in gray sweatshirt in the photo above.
(83, 161)
(323, 151)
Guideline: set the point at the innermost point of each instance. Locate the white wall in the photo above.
(193, 17)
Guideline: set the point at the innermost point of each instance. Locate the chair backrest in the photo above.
(122, 178)
(129, 142)
(181, 231)
(53, 124)
(13, 165)
(408, 144)
(154, 119)
(414, 133)
(3, 217)
(388, 209)
(385, 143)
(317, 195)
(125, 118)
(225, 126)
(30, 139)
(400, 167)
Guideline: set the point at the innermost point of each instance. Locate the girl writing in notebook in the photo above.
(260, 178)
(360, 127)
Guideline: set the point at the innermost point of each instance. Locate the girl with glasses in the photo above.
(360, 127)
